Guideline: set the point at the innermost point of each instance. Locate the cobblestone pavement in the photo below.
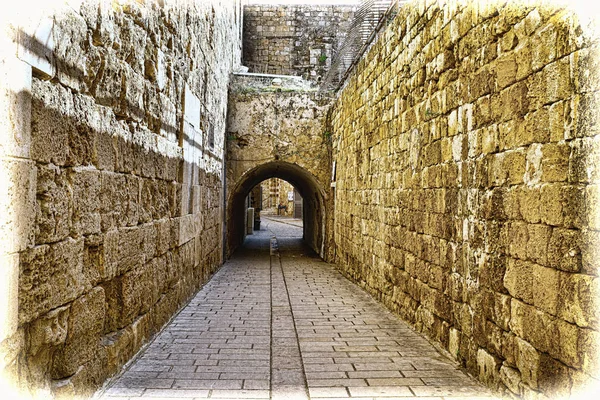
(282, 324)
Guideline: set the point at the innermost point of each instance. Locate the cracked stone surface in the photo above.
(282, 324)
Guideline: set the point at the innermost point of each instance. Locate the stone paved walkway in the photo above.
(282, 324)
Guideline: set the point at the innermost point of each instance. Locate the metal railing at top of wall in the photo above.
(370, 17)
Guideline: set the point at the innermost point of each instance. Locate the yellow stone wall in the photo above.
(466, 148)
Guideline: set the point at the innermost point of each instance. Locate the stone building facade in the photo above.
(466, 197)
(115, 198)
(293, 40)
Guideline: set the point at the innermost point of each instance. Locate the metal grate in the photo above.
(370, 17)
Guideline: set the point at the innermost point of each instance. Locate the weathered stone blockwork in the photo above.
(126, 153)
(293, 40)
(278, 131)
(466, 146)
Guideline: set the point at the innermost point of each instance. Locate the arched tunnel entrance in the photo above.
(312, 193)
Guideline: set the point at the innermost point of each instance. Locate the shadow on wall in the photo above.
(312, 194)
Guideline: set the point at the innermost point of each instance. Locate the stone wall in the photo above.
(118, 185)
(466, 148)
(293, 40)
(277, 131)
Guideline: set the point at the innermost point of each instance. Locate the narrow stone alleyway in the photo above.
(278, 323)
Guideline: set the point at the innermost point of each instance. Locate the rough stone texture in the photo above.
(274, 131)
(466, 187)
(116, 197)
(293, 40)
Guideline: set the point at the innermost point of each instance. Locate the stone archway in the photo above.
(311, 190)
(279, 134)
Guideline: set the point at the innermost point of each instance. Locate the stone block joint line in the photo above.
(294, 385)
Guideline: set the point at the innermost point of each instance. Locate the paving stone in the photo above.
(323, 336)
(175, 393)
(240, 394)
(123, 392)
(285, 392)
(257, 384)
(394, 381)
(378, 391)
(434, 373)
(345, 382)
(327, 375)
(451, 391)
(328, 392)
(208, 384)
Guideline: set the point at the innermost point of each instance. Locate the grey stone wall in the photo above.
(120, 184)
(293, 40)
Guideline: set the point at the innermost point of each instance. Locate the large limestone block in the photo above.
(71, 36)
(528, 359)
(529, 203)
(589, 348)
(49, 330)
(188, 227)
(511, 378)
(548, 334)
(549, 85)
(132, 95)
(586, 74)
(17, 202)
(506, 70)
(489, 367)
(546, 288)
(158, 266)
(86, 186)
(119, 349)
(583, 163)
(132, 39)
(154, 202)
(497, 308)
(54, 211)
(563, 205)
(15, 107)
(554, 377)
(51, 275)
(555, 162)
(51, 122)
(518, 280)
(85, 325)
(537, 244)
(119, 200)
(163, 235)
(565, 250)
(123, 251)
(86, 379)
(110, 88)
(128, 296)
(579, 296)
